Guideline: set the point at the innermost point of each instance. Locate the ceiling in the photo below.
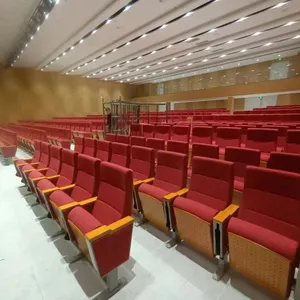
(143, 41)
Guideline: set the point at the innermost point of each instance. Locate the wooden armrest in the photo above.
(53, 177)
(42, 170)
(170, 196)
(34, 163)
(69, 206)
(97, 233)
(50, 190)
(182, 192)
(27, 171)
(38, 179)
(67, 187)
(120, 224)
(88, 201)
(148, 180)
(226, 213)
(137, 183)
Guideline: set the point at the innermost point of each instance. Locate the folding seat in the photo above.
(79, 144)
(135, 130)
(19, 163)
(202, 134)
(244, 129)
(171, 176)
(89, 147)
(178, 146)
(264, 236)
(228, 136)
(156, 144)
(163, 132)
(282, 135)
(85, 187)
(293, 141)
(205, 150)
(125, 139)
(103, 150)
(262, 139)
(120, 154)
(180, 133)
(148, 131)
(284, 161)
(241, 157)
(111, 137)
(137, 141)
(210, 192)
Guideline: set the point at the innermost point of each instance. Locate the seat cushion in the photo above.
(239, 183)
(266, 238)
(264, 156)
(153, 191)
(28, 167)
(82, 219)
(60, 198)
(195, 208)
(35, 174)
(45, 184)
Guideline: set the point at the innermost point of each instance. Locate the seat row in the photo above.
(8, 144)
(90, 200)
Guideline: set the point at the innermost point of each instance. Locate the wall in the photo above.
(288, 99)
(29, 94)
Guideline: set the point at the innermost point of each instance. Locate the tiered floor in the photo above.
(32, 267)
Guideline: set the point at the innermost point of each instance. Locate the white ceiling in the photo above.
(71, 20)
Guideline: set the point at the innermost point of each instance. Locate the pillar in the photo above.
(230, 104)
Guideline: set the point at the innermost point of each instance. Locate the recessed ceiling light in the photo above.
(108, 69)
(290, 23)
(189, 64)
(230, 42)
(224, 55)
(163, 71)
(105, 79)
(128, 72)
(212, 30)
(108, 21)
(153, 73)
(94, 31)
(72, 48)
(153, 52)
(139, 57)
(114, 50)
(205, 60)
(296, 37)
(127, 44)
(159, 63)
(137, 70)
(127, 7)
(268, 44)
(143, 36)
(135, 78)
(94, 60)
(163, 26)
(174, 58)
(128, 79)
(117, 66)
(47, 16)
(147, 67)
(128, 61)
(170, 46)
(188, 14)
(256, 33)
(120, 75)
(257, 59)
(189, 54)
(279, 5)
(145, 75)
(112, 77)
(242, 19)
(64, 53)
(244, 50)
(176, 68)
(189, 39)
(81, 41)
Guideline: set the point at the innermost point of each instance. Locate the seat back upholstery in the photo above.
(293, 141)
(242, 157)
(124, 139)
(271, 199)
(135, 129)
(205, 150)
(148, 131)
(181, 133)
(120, 154)
(103, 150)
(211, 182)
(262, 139)
(171, 171)
(37, 151)
(89, 147)
(79, 144)
(284, 161)
(156, 144)
(229, 136)
(45, 155)
(282, 133)
(68, 168)
(110, 137)
(202, 134)
(142, 162)
(55, 161)
(178, 146)
(87, 179)
(163, 132)
(138, 141)
(114, 194)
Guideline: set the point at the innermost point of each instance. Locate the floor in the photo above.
(32, 266)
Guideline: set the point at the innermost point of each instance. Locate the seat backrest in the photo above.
(142, 162)
(171, 171)
(211, 182)
(205, 150)
(262, 139)
(103, 150)
(68, 168)
(242, 157)
(180, 133)
(89, 147)
(138, 141)
(135, 129)
(293, 141)
(114, 194)
(87, 179)
(79, 144)
(156, 144)
(271, 199)
(282, 133)
(177, 146)
(37, 151)
(45, 155)
(55, 161)
(163, 132)
(111, 137)
(284, 161)
(120, 154)
(124, 139)
(202, 134)
(229, 136)
(148, 131)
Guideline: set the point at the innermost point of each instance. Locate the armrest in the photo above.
(27, 171)
(137, 183)
(88, 201)
(182, 192)
(149, 180)
(222, 216)
(68, 206)
(38, 179)
(42, 170)
(67, 187)
(50, 190)
(53, 177)
(170, 197)
(35, 163)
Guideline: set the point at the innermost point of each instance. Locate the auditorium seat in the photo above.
(79, 144)
(103, 150)
(89, 147)
(148, 131)
(120, 154)
(205, 150)
(241, 158)
(293, 141)
(85, 187)
(156, 144)
(178, 146)
(181, 133)
(171, 176)
(228, 136)
(163, 132)
(264, 237)
(125, 139)
(202, 134)
(282, 135)
(135, 130)
(284, 161)
(262, 139)
(101, 227)
(138, 141)
(209, 193)
(111, 137)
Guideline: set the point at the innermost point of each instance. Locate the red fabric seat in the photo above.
(163, 132)
(135, 130)
(180, 133)
(138, 141)
(178, 146)
(228, 136)
(79, 144)
(293, 141)
(156, 144)
(205, 150)
(60, 198)
(103, 150)
(120, 154)
(148, 131)
(153, 191)
(45, 184)
(111, 137)
(202, 134)
(89, 147)
(125, 139)
(284, 161)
